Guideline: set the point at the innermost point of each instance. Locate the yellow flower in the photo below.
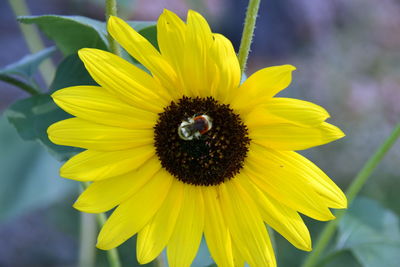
(187, 150)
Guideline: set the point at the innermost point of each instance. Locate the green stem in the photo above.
(248, 31)
(111, 10)
(87, 253)
(112, 254)
(24, 86)
(33, 40)
(351, 193)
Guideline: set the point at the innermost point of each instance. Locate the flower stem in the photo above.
(112, 254)
(351, 193)
(33, 40)
(111, 10)
(248, 30)
(87, 253)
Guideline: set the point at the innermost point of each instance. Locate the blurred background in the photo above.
(347, 55)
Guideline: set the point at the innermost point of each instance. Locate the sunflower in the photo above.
(184, 149)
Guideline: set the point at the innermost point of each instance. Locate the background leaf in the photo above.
(28, 175)
(24, 69)
(71, 33)
(71, 72)
(28, 65)
(371, 232)
(32, 116)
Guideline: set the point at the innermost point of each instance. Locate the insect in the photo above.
(194, 127)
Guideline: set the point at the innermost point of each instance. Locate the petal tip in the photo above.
(66, 172)
(340, 133)
(83, 53)
(101, 246)
(81, 205)
(78, 205)
(50, 131)
(167, 11)
(112, 21)
(142, 258)
(343, 204)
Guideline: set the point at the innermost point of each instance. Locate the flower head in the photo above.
(187, 150)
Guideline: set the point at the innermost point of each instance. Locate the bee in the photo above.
(194, 127)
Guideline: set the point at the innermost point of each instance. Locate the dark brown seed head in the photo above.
(215, 156)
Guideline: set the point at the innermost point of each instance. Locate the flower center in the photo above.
(200, 141)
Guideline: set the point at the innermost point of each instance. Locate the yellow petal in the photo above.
(226, 73)
(294, 137)
(246, 225)
(104, 195)
(284, 220)
(92, 165)
(237, 256)
(185, 240)
(261, 86)
(155, 235)
(125, 80)
(133, 214)
(171, 31)
(286, 110)
(312, 175)
(197, 43)
(141, 49)
(279, 182)
(215, 229)
(80, 133)
(96, 104)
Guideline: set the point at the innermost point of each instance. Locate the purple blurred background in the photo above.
(347, 55)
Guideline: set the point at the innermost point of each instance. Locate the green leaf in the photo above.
(28, 175)
(20, 73)
(18, 83)
(371, 232)
(72, 33)
(71, 72)
(28, 65)
(32, 116)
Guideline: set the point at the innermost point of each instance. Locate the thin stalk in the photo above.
(112, 254)
(248, 31)
(351, 193)
(24, 86)
(111, 10)
(33, 40)
(88, 229)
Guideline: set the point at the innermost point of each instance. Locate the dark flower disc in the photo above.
(211, 157)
